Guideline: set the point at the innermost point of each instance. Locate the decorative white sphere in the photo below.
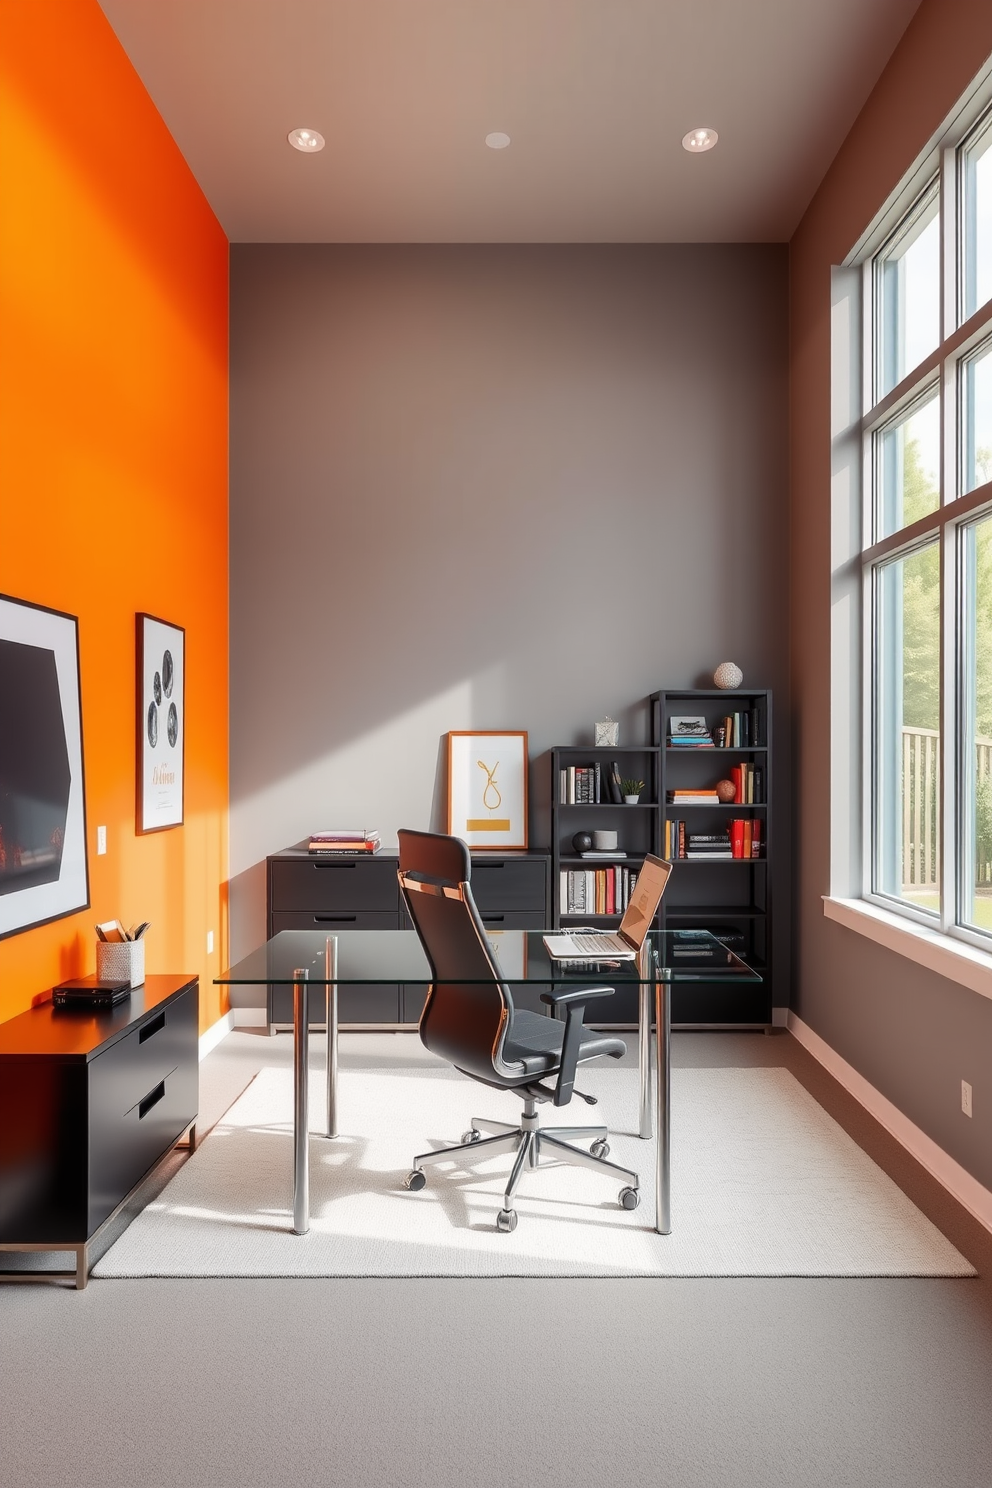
(728, 674)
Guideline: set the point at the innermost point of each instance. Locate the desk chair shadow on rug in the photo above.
(469, 1019)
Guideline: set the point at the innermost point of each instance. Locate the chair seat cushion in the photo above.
(534, 1044)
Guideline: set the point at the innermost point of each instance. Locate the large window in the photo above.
(927, 556)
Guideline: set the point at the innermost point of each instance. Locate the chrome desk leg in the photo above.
(663, 1149)
(301, 1170)
(331, 971)
(644, 1058)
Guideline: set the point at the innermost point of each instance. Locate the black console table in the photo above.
(355, 892)
(89, 1104)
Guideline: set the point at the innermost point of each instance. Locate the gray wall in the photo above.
(485, 488)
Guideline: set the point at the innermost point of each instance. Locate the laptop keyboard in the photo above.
(598, 945)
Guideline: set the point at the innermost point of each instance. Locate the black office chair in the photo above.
(470, 1020)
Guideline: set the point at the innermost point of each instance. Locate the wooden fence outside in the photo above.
(920, 786)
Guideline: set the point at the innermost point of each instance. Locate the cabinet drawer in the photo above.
(495, 919)
(513, 919)
(123, 1148)
(125, 1072)
(323, 885)
(331, 919)
(506, 885)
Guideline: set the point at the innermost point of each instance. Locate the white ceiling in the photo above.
(595, 94)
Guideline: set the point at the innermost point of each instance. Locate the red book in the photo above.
(737, 837)
(756, 840)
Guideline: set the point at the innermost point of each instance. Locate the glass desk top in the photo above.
(334, 957)
(377, 956)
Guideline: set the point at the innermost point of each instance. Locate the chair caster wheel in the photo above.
(629, 1198)
(599, 1148)
(471, 1135)
(415, 1180)
(506, 1221)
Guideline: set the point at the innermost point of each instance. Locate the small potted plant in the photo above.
(631, 791)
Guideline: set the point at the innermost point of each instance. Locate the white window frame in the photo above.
(938, 940)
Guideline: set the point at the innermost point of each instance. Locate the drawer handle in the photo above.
(487, 864)
(491, 919)
(151, 1099)
(319, 866)
(334, 919)
(150, 1029)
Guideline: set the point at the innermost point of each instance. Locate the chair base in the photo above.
(530, 1143)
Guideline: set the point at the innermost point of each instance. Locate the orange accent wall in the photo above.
(113, 462)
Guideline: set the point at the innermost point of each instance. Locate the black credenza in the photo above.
(89, 1103)
(361, 893)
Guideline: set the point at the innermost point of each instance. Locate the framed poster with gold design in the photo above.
(487, 789)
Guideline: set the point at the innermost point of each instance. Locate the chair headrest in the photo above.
(432, 855)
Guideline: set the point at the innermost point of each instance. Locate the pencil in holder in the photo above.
(122, 961)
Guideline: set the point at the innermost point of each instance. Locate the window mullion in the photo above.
(950, 296)
(950, 651)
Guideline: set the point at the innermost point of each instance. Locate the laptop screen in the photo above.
(640, 912)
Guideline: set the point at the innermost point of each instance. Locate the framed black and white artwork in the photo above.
(43, 867)
(161, 655)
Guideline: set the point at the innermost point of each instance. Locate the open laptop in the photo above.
(584, 945)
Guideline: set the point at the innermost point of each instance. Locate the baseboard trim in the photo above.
(959, 1183)
(248, 1017)
(215, 1034)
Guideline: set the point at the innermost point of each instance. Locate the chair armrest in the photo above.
(574, 1003)
(578, 994)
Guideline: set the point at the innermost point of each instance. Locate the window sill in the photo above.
(940, 953)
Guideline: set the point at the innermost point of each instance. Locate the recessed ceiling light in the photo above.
(698, 140)
(307, 140)
(497, 140)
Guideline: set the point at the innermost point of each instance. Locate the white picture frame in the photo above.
(161, 694)
(44, 873)
(487, 789)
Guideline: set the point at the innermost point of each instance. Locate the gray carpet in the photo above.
(569, 1384)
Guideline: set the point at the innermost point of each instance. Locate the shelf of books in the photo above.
(604, 818)
(715, 752)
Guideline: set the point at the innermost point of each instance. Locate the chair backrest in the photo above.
(468, 1009)
(434, 855)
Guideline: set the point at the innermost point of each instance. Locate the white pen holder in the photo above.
(122, 961)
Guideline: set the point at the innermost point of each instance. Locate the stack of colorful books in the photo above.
(688, 731)
(344, 840)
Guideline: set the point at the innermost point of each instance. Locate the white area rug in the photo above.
(764, 1183)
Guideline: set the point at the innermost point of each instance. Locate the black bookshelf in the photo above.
(730, 897)
(636, 827)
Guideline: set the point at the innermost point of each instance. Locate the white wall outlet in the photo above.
(101, 841)
(210, 942)
(966, 1097)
